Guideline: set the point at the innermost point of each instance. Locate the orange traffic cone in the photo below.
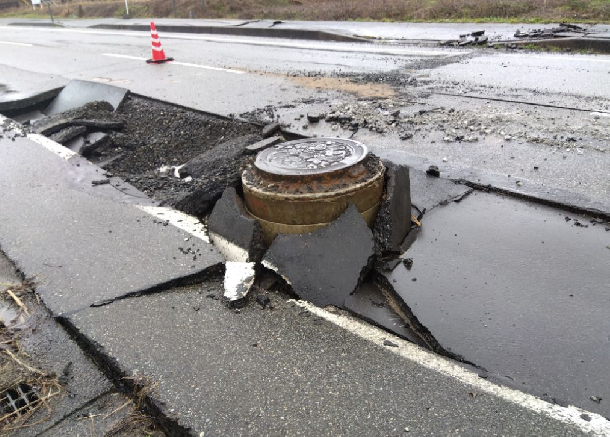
(158, 55)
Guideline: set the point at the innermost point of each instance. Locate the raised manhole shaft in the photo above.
(303, 185)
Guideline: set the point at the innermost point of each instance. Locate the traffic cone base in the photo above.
(158, 61)
(158, 55)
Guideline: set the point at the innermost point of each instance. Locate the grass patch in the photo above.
(479, 11)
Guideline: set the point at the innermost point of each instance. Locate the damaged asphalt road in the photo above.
(403, 118)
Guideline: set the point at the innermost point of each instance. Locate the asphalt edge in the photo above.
(570, 415)
(313, 35)
(124, 382)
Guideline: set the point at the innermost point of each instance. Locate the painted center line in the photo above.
(185, 64)
(17, 43)
(330, 47)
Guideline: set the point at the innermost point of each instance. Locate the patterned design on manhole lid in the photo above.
(311, 156)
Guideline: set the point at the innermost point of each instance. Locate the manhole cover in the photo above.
(311, 156)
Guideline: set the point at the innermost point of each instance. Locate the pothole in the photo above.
(318, 212)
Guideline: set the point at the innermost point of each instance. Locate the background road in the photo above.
(539, 100)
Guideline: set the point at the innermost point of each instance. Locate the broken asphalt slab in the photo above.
(214, 171)
(18, 102)
(223, 155)
(79, 92)
(519, 289)
(87, 244)
(427, 192)
(236, 234)
(326, 265)
(393, 220)
(285, 371)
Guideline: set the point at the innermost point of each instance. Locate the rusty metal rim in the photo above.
(272, 229)
(307, 197)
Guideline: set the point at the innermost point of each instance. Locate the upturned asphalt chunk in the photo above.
(214, 171)
(326, 265)
(79, 92)
(519, 289)
(394, 218)
(237, 235)
(86, 245)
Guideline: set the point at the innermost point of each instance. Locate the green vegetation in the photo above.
(480, 11)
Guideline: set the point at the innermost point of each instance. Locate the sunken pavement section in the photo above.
(136, 282)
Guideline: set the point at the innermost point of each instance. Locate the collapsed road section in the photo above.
(317, 219)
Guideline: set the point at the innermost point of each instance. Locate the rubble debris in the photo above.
(474, 38)
(263, 144)
(237, 235)
(433, 171)
(67, 134)
(100, 182)
(561, 30)
(315, 117)
(239, 277)
(270, 130)
(326, 265)
(264, 301)
(94, 141)
(78, 93)
(95, 114)
(393, 224)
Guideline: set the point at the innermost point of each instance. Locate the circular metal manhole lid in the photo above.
(311, 156)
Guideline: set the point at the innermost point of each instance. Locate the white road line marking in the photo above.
(17, 43)
(178, 219)
(331, 47)
(185, 64)
(569, 415)
(52, 146)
